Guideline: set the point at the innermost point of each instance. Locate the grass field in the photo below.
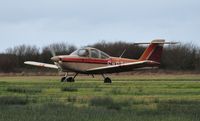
(128, 98)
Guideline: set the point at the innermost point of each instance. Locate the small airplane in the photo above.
(93, 61)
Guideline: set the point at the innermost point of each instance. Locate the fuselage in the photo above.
(89, 58)
(81, 64)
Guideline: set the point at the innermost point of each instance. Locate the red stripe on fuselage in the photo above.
(86, 60)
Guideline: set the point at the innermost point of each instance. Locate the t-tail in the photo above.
(154, 50)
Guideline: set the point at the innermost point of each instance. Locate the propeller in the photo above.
(55, 59)
(53, 53)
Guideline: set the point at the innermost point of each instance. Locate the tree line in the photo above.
(182, 57)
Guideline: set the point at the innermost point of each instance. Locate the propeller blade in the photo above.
(53, 53)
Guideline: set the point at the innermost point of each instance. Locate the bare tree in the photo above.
(178, 57)
(24, 53)
(7, 63)
(116, 49)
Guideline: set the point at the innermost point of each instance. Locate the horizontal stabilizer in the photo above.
(41, 64)
(159, 41)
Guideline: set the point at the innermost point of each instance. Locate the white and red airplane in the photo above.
(93, 61)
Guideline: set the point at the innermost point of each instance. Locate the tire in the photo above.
(70, 79)
(63, 79)
(107, 80)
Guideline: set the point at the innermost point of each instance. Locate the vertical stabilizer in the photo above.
(153, 51)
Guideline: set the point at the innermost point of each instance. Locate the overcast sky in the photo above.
(82, 22)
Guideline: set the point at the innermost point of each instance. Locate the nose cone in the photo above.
(55, 59)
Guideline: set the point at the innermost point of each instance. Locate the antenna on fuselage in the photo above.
(122, 53)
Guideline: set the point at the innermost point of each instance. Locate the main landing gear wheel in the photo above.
(63, 79)
(67, 79)
(107, 80)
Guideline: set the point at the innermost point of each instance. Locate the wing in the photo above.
(41, 64)
(123, 67)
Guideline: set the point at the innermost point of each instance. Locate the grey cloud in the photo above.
(87, 21)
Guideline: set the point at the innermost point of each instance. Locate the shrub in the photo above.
(71, 98)
(116, 91)
(13, 100)
(98, 101)
(69, 89)
(97, 89)
(109, 103)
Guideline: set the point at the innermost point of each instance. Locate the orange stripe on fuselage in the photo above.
(99, 61)
(86, 60)
(122, 60)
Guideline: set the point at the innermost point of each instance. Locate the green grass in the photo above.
(13, 100)
(109, 103)
(128, 98)
(23, 90)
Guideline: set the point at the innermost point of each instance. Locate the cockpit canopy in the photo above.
(90, 53)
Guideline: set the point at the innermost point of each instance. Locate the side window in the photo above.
(104, 56)
(83, 53)
(94, 53)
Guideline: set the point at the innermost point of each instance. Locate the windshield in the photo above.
(90, 52)
(104, 55)
(81, 52)
(74, 53)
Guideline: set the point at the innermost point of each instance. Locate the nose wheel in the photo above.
(63, 79)
(68, 79)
